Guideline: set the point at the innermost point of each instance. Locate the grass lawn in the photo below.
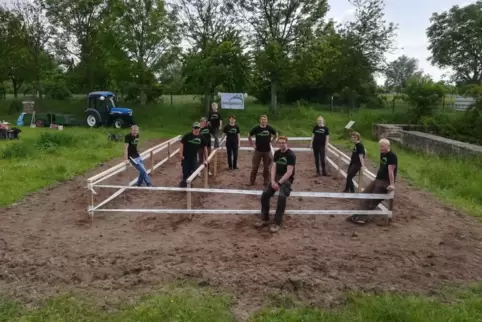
(43, 156)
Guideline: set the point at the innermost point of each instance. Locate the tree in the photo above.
(36, 36)
(370, 33)
(424, 95)
(148, 35)
(274, 27)
(399, 71)
(216, 58)
(454, 38)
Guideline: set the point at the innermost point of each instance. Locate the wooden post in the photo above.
(215, 164)
(339, 165)
(390, 207)
(189, 205)
(152, 163)
(92, 205)
(206, 176)
(169, 151)
(360, 182)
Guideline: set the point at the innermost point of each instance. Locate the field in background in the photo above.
(62, 155)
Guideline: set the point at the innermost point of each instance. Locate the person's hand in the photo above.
(391, 188)
(126, 161)
(275, 186)
(181, 157)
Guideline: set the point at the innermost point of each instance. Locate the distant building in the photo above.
(462, 103)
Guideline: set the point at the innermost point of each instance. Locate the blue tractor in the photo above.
(103, 111)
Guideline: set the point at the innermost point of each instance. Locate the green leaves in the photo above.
(455, 38)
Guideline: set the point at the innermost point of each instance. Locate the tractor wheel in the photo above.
(92, 119)
(119, 123)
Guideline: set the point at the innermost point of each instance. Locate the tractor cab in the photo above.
(102, 110)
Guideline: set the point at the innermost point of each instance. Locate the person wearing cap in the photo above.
(206, 134)
(190, 144)
(131, 155)
(215, 123)
(233, 142)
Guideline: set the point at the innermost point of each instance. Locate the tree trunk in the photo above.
(207, 101)
(274, 95)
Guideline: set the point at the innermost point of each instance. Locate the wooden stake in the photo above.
(215, 164)
(169, 151)
(339, 165)
(360, 176)
(390, 207)
(152, 162)
(189, 204)
(206, 176)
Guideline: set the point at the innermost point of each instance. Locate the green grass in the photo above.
(43, 156)
(194, 304)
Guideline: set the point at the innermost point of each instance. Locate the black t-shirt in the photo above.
(320, 132)
(205, 132)
(263, 137)
(385, 160)
(231, 132)
(132, 148)
(358, 149)
(283, 160)
(215, 119)
(192, 143)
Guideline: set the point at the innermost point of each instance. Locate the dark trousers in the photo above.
(268, 192)
(319, 152)
(376, 186)
(232, 152)
(351, 173)
(200, 154)
(215, 135)
(257, 157)
(189, 165)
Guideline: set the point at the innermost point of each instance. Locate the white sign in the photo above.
(233, 101)
(462, 103)
(349, 125)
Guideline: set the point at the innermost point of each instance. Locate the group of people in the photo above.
(278, 169)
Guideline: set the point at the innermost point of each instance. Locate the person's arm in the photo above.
(225, 130)
(220, 120)
(181, 149)
(392, 164)
(311, 143)
(361, 154)
(327, 138)
(289, 170)
(273, 174)
(274, 133)
(250, 139)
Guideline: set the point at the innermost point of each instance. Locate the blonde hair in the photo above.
(320, 117)
(357, 135)
(384, 142)
(134, 127)
(282, 138)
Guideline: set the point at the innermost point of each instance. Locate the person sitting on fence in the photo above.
(190, 144)
(132, 155)
(262, 148)
(357, 161)
(319, 144)
(282, 176)
(215, 123)
(384, 181)
(233, 142)
(206, 134)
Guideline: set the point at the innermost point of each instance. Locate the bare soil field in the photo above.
(48, 243)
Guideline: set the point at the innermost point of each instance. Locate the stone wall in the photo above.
(407, 136)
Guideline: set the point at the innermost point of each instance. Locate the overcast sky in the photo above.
(412, 17)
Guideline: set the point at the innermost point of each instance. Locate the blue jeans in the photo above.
(189, 165)
(143, 175)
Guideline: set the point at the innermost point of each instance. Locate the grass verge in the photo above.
(194, 304)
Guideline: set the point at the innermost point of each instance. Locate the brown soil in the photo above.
(48, 243)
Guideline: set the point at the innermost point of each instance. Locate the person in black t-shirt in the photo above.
(319, 144)
(384, 181)
(131, 155)
(206, 134)
(282, 177)
(357, 161)
(190, 145)
(233, 143)
(215, 123)
(262, 148)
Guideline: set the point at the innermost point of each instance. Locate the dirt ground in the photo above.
(48, 243)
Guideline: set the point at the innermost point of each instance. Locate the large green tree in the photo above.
(274, 27)
(455, 38)
(399, 71)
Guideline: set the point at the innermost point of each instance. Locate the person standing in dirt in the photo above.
(357, 161)
(233, 142)
(131, 155)
(215, 123)
(206, 134)
(190, 145)
(384, 181)
(262, 148)
(282, 177)
(319, 145)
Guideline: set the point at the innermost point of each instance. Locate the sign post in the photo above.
(232, 101)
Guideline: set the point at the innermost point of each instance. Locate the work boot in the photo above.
(261, 224)
(325, 174)
(274, 229)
